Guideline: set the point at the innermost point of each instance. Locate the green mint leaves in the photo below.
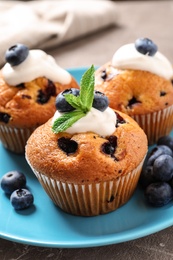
(81, 103)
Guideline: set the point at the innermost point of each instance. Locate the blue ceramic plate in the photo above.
(46, 225)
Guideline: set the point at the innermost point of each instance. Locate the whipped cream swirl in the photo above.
(127, 57)
(102, 123)
(37, 64)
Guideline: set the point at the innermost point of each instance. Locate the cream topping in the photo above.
(37, 64)
(102, 123)
(127, 57)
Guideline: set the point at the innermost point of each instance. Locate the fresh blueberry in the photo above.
(100, 101)
(163, 168)
(146, 176)
(165, 149)
(166, 140)
(13, 180)
(159, 194)
(61, 104)
(156, 152)
(21, 199)
(16, 54)
(146, 46)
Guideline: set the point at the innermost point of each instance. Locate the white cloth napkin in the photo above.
(45, 24)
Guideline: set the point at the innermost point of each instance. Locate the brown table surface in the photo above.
(152, 19)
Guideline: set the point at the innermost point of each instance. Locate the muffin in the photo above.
(29, 83)
(138, 82)
(89, 159)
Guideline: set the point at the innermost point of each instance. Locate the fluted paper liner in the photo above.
(156, 124)
(14, 139)
(91, 199)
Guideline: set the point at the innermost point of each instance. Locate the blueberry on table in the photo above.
(146, 46)
(100, 101)
(13, 180)
(16, 54)
(21, 199)
(163, 168)
(61, 104)
(166, 140)
(159, 194)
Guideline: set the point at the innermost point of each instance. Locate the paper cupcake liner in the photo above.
(156, 124)
(91, 199)
(14, 139)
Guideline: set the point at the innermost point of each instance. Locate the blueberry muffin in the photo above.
(29, 83)
(88, 157)
(138, 82)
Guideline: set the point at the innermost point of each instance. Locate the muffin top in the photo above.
(138, 79)
(99, 145)
(29, 82)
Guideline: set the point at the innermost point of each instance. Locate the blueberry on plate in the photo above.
(100, 101)
(166, 140)
(156, 152)
(21, 199)
(163, 168)
(13, 180)
(146, 46)
(61, 104)
(146, 176)
(159, 194)
(16, 54)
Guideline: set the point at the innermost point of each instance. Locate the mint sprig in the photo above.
(82, 103)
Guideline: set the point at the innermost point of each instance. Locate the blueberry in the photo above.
(146, 176)
(44, 96)
(165, 149)
(100, 101)
(159, 194)
(4, 117)
(146, 46)
(61, 104)
(67, 145)
(16, 54)
(103, 74)
(166, 140)
(156, 152)
(120, 119)
(13, 180)
(21, 199)
(110, 146)
(163, 168)
(107, 148)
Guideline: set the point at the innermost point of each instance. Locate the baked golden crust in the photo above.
(134, 92)
(88, 164)
(30, 104)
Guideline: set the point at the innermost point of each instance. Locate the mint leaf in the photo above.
(66, 120)
(74, 101)
(81, 103)
(87, 89)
